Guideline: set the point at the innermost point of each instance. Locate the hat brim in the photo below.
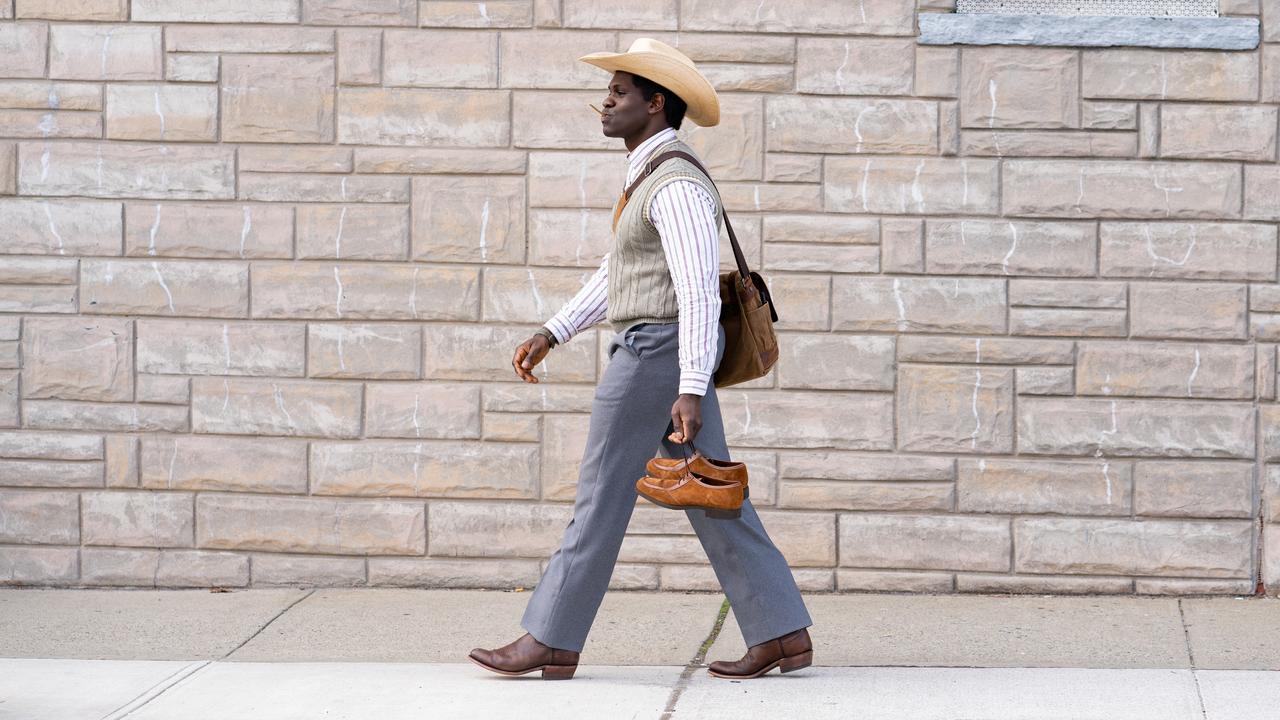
(684, 81)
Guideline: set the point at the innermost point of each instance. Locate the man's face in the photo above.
(626, 110)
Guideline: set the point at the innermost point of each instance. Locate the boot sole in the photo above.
(710, 512)
(785, 665)
(549, 672)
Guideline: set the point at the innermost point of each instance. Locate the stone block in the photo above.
(440, 160)
(557, 120)
(121, 465)
(529, 295)
(1130, 189)
(1188, 310)
(165, 287)
(564, 442)
(1156, 74)
(41, 473)
(749, 77)
(97, 10)
(215, 11)
(574, 180)
(937, 71)
(23, 49)
(359, 12)
(422, 410)
(353, 232)
(268, 98)
(450, 573)
(1000, 351)
(192, 68)
(660, 15)
(836, 362)
(1020, 87)
(359, 56)
(469, 529)
(1048, 143)
(853, 125)
(50, 446)
(1142, 428)
(185, 347)
(470, 14)
(129, 170)
(469, 219)
(253, 465)
(440, 58)
(41, 124)
(731, 150)
(365, 292)
(169, 389)
(855, 66)
(162, 112)
(235, 406)
(137, 518)
(1202, 251)
(1067, 293)
(947, 305)
(985, 247)
(105, 52)
(1133, 368)
(924, 542)
(40, 517)
(377, 351)
(484, 352)
(1063, 487)
(426, 469)
(955, 409)
(924, 186)
(109, 417)
(1104, 115)
(873, 17)
(787, 167)
(208, 231)
(310, 525)
(277, 570)
(78, 358)
(295, 158)
(395, 116)
(1044, 381)
(240, 39)
(556, 64)
(1218, 132)
(1261, 192)
(307, 187)
(1128, 547)
(1204, 489)
(847, 420)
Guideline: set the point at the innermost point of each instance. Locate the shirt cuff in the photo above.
(559, 329)
(694, 382)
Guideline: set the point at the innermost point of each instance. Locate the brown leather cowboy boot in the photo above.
(789, 652)
(526, 654)
(674, 469)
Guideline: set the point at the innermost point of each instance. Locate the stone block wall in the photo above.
(263, 266)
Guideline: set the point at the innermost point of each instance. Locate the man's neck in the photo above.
(635, 141)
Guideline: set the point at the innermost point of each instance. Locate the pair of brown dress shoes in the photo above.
(716, 486)
(525, 655)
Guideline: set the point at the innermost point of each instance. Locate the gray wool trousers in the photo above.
(630, 419)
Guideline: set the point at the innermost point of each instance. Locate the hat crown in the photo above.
(649, 45)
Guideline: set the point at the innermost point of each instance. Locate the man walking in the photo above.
(658, 286)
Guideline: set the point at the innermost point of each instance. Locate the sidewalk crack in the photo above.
(696, 662)
(1191, 656)
(267, 624)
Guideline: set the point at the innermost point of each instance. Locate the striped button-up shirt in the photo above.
(684, 214)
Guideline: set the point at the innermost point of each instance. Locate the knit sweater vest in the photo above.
(640, 286)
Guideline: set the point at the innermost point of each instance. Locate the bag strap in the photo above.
(744, 272)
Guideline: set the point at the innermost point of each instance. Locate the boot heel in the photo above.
(558, 672)
(724, 514)
(746, 492)
(795, 662)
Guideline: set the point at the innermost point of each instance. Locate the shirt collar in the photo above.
(638, 157)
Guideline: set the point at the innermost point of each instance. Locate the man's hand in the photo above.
(686, 418)
(528, 355)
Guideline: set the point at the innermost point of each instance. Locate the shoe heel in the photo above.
(724, 514)
(558, 672)
(746, 492)
(795, 662)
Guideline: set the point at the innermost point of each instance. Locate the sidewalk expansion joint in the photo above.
(1191, 657)
(156, 690)
(267, 624)
(683, 682)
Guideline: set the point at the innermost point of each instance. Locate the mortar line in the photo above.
(687, 674)
(1191, 657)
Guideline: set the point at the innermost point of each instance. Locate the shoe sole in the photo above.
(549, 672)
(785, 665)
(710, 512)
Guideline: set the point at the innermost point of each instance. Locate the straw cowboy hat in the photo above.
(669, 68)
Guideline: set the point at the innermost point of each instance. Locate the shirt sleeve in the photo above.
(684, 214)
(584, 309)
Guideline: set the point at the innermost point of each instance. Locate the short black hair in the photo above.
(674, 108)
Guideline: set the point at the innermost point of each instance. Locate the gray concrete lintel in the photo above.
(1220, 33)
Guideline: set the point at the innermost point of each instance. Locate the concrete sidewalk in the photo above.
(269, 654)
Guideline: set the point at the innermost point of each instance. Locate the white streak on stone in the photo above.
(583, 216)
(484, 229)
(173, 459)
(100, 167)
(226, 394)
(417, 456)
(106, 43)
(963, 239)
(902, 306)
(484, 13)
(1194, 370)
(159, 112)
(840, 84)
(413, 295)
(756, 197)
(338, 280)
(964, 170)
(1164, 78)
(537, 297)
(977, 421)
(62, 250)
(1004, 264)
(746, 405)
(244, 229)
(54, 101)
(337, 241)
(1106, 473)
(991, 116)
(342, 360)
(155, 227)
(226, 348)
(1156, 257)
(862, 9)
(343, 187)
(977, 349)
(916, 194)
(280, 404)
(866, 171)
(857, 122)
(1155, 181)
(156, 267)
(1080, 190)
(417, 429)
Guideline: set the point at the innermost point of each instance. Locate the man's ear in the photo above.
(657, 103)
